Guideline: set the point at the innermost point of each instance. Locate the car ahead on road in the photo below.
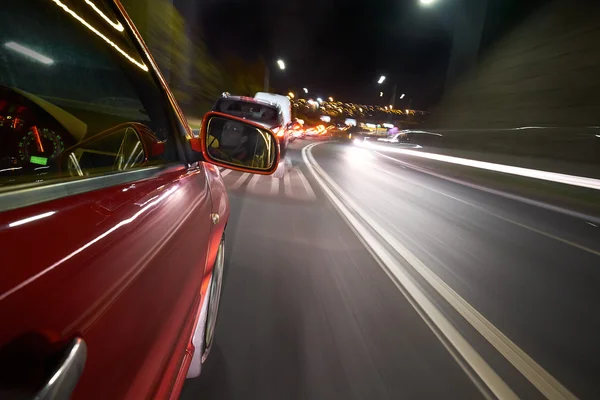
(399, 137)
(263, 112)
(111, 223)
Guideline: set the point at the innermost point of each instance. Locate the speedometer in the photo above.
(40, 145)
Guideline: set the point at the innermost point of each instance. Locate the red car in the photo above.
(112, 214)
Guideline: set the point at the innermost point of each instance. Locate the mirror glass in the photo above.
(238, 143)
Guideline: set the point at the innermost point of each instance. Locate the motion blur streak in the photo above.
(570, 243)
(537, 375)
(590, 183)
(117, 25)
(30, 219)
(404, 283)
(28, 52)
(88, 244)
(97, 32)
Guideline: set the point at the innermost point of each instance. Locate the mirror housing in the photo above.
(237, 143)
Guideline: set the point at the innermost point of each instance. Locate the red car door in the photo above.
(104, 226)
(119, 267)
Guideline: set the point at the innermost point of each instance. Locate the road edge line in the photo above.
(477, 364)
(529, 368)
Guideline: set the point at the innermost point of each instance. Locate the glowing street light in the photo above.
(380, 94)
(281, 64)
(305, 90)
(401, 97)
(291, 95)
(330, 98)
(381, 79)
(391, 107)
(320, 100)
(427, 2)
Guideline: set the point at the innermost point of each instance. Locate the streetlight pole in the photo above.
(393, 102)
(268, 73)
(267, 77)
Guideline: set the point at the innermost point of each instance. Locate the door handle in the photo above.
(64, 378)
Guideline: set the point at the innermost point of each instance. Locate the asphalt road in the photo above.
(309, 312)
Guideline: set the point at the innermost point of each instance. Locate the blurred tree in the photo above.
(194, 77)
(243, 78)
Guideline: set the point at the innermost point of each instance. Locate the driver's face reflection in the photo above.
(233, 135)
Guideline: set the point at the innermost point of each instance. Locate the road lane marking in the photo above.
(309, 191)
(287, 185)
(424, 306)
(529, 228)
(525, 200)
(531, 370)
(225, 172)
(573, 180)
(240, 180)
(253, 182)
(274, 186)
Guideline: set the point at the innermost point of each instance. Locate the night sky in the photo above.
(340, 48)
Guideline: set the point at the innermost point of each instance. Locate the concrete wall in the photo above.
(546, 71)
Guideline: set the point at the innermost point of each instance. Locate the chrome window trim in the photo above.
(30, 195)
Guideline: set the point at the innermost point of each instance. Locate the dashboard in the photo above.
(31, 139)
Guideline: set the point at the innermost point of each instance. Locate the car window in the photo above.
(249, 110)
(70, 75)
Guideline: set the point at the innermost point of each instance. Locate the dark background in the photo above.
(340, 48)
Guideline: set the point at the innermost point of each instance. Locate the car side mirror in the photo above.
(237, 143)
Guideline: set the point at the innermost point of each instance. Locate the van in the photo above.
(282, 101)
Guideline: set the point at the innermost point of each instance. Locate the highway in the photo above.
(359, 277)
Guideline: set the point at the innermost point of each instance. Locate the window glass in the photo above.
(253, 111)
(68, 75)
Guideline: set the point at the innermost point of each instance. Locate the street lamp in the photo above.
(381, 79)
(268, 73)
(330, 98)
(380, 94)
(401, 97)
(305, 90)
(291, 95)
(320, 100)
(427, 2)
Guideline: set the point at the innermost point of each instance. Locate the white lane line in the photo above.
(240, 180)
(530, 369)
(525, 200)
(253, 182)
(309, 191)
(225, 172)
(529, 228)
(287, 184)
(507, 169)
(414, 293)
(274, 186)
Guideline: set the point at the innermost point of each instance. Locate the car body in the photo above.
(284, 103)
(396, 138)
(263, 112)
(111, 220)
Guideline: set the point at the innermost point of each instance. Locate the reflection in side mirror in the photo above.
(235, 142)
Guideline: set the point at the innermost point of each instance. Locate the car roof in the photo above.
(251, 100)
